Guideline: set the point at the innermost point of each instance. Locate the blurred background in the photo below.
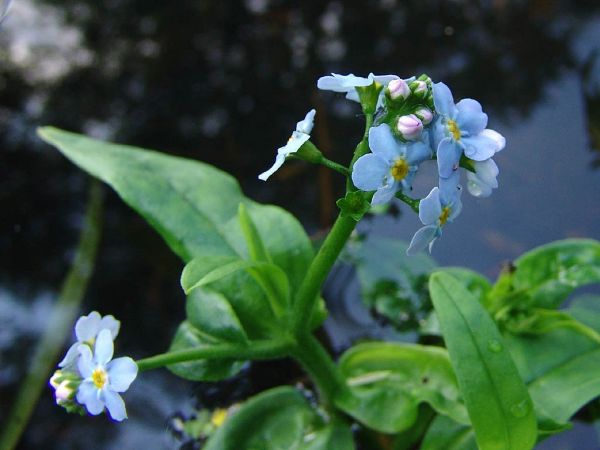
(225, 82)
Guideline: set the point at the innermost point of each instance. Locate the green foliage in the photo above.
(388, 381)
(445, 434)
(499, 405)
(279, 419)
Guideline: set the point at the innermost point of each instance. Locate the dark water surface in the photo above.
(225, 82)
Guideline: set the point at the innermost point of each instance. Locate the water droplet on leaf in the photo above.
(494, 346)
(520, 409)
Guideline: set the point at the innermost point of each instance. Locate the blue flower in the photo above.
(391, 166)
(461, 128)
(442, 205)
(300, 135)
(481, 183)
(86, 331)
(103, 379)
(349, 83)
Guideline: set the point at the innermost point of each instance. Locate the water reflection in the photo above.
(225, 81)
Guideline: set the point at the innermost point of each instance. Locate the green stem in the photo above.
(270, 349)
(59, 323)
(319, 365)
(317, 272)
(412, 202)
(334, 166)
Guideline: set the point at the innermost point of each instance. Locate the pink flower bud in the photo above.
(419, 87)
(398, 89)
(410, 127)
(425, 115)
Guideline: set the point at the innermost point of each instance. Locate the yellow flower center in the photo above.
(399, 169)
(218, 417)
(454, 130)
(99, 378)
(444, 215)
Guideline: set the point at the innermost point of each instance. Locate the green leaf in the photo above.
(193, 205)
(549, 273)
(445, 434)
(271, 279)
(188, 337)
(388, 381)
(256, 247)
(210, 313)
(279, 419)
(562, 370)
(475, 283)
(499, 405)
(586, 309)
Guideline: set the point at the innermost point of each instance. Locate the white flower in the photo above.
(104, 379)
(349, 83)
(86, 331)
(481, 183)
(300, 135)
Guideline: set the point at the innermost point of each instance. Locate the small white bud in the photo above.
(398, 89)
(410, 127)
(425, 115)
(419, 87)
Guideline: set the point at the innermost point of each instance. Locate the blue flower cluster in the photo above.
(417, 120)
(88, 376)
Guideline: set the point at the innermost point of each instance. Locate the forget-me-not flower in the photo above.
(442, 205)
(103, 379)
(349, 83)
(483, 180)
(391, 166)
(86, 332)
(300, 135)
(460, 128)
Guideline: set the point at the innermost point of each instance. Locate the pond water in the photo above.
(225, 82)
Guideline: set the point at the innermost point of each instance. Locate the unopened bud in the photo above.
(425, 115)
(409, 127)
(398, 89)
(419, 87)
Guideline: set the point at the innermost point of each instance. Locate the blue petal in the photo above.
(369, 172)
(88, 395)
(383, 143)
(479, 147)
(85, 363)
(341, 83)
(87, 327)
(449, 188)
(417, 152)
(121, 373)
(385, 194)
(430, 207)
(306, 124)
(448, 156)
(422, 238)
(115, 405)
(103, 350)
(443, 100)
(71, 355)
(470, 116)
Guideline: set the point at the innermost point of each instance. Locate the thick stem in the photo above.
(59, 323)
(271, 349)
(319, 365)
(361, 149)
(317, 272)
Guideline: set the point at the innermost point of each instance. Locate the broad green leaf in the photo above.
(549, 273)
(256, 247)
(446, 434)
(210, 313)
(562, 392)
(388, 381)
(499, 405)
(561, 368)
(188, 337)
(193, 205)
(475, 283)
(209, 269)
(279, 419)
(586, 309)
